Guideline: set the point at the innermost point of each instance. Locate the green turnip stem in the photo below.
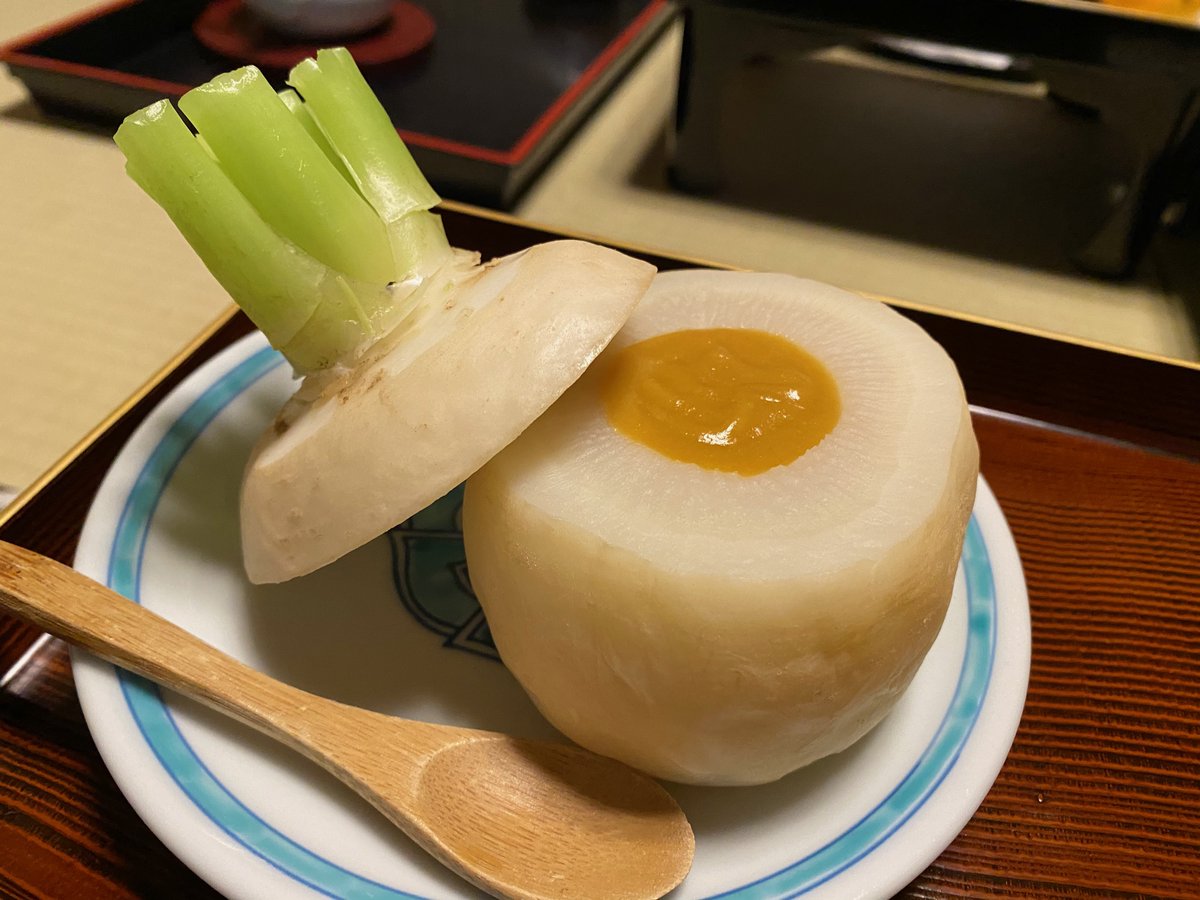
(297, 107)
(307, 221)
(355, 122)
(280, 169)
(278, 285)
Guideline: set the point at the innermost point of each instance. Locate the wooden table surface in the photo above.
(1095, 459)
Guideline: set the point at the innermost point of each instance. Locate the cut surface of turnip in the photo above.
(356, 452)
(713, 627)
(419, 363)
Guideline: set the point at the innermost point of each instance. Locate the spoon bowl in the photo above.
(518, 818)
(480, 796)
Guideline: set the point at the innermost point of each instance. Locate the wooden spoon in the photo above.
(518, 818)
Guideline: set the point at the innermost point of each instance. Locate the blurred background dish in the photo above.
(321, 18)
(232, 29)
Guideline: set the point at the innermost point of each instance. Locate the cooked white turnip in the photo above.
(419, 363)
(725, 551)
(720, 555)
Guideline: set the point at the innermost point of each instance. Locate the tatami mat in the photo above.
(97, 292)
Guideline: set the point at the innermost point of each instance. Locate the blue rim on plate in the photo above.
(162, 734)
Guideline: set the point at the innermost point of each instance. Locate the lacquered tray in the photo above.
(1094, 456)
(484, 106)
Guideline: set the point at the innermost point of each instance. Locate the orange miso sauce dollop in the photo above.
(730, 399)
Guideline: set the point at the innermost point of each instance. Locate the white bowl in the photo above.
(321, 18)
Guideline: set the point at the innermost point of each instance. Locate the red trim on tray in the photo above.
(73, 21)
(529, 140)
(456, 148)
(170, 88)
(522, 148)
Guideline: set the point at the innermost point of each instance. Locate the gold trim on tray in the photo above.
(1124, 11)
(508, 219)
(25, 496)
(1033, 332)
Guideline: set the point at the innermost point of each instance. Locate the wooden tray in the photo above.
(1095, 458)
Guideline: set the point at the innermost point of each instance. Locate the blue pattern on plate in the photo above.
(429, 571)
(206, 791)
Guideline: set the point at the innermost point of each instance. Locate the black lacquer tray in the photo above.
(495, 94)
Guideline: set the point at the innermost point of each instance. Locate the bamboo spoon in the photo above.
(522, 819)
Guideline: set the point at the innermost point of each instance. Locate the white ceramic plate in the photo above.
(394, 627)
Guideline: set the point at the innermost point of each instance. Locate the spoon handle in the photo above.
(72, 606)
(507, 814)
